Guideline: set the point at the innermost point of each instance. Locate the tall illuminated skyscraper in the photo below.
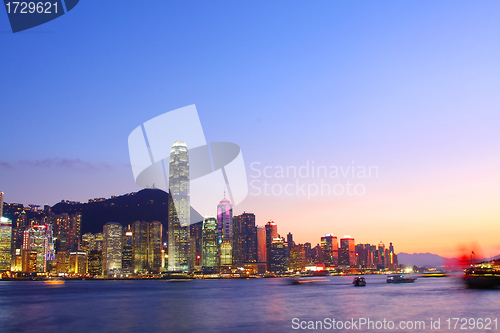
(225, 221)
(179, 208)
(5, 243)
(112, 247)
(209, 256)
(271, 234)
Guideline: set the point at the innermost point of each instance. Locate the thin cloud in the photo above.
(6, 165)
(67, 164)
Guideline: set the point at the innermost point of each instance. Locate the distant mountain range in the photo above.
(432, 260)
(421, 259)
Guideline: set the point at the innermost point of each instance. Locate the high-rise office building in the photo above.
(112, 247)
(95, 263)
(297, 260)
(278, 262)
(381, 256)
(226, 253)
(38, 248)
(347, 252)
(5, 243)
(364, 255)
(271, 234)
(78, 263)
(329, 250)
(155, 230)
(209, 256)
(225, 221)
(127, 243)
(245, 239)
(179, 209)
(261, 245)
(195, 239)
(88, 242)
(139, 240)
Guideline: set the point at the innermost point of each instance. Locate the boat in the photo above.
(359, 281)
(54, 281)
(297, 281)
(399, 278)
(434, 274)
(482, 277)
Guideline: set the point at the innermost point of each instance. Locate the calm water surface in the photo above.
(255, 305)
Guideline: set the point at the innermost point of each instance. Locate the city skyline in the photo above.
(410, 88)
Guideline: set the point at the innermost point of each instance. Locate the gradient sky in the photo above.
(410, 87)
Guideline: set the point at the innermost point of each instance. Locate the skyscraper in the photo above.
(225, 221)
(155, 230)
(297, 261)
(127, 243)
(139, 246)
(245, 239)
(261, 245)
(329, 250)
(271, 234)
(347, 252)
(277, 252)
(179, 208)
(5, 243)
(112, 247)
(209, 256)
(38, 248)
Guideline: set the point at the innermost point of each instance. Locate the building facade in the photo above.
(179, 209)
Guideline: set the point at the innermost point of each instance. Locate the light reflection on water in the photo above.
(255, 305)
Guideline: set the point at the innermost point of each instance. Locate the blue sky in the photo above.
(411, 87)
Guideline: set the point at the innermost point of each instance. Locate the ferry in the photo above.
(399, 278)
(482, 277)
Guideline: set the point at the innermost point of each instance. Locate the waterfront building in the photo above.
(261, 245)
(112, 247)
(62, 262)
(278, 262)
(38, 248)
(209, 256)
(245, 239)
(271, 234)
(95, 263)
(297, 260)
(5, 242)
(78, 263)
(329, 251)
(347, 252)
(226, 253)
(179, 209)
(127, 250)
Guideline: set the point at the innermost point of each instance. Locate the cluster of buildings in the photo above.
(50, 243)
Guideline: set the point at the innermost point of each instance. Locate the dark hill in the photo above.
(145, 205)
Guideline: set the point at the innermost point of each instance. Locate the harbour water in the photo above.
(237, 305)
